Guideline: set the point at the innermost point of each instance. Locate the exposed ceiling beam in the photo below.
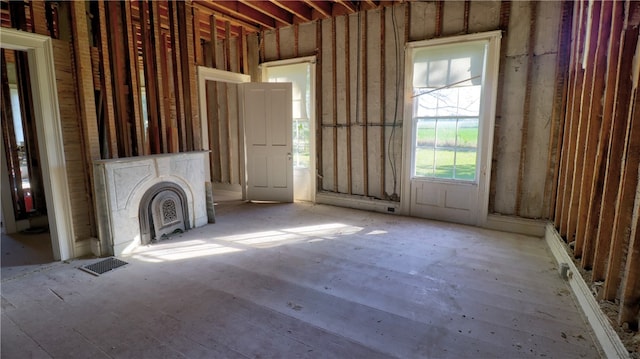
(351, 8)
(221, 16)
(240, 11)
(371, 3)
(323, 7)
(271, 10)
(297, 8)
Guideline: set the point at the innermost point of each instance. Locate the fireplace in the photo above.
(146, 198)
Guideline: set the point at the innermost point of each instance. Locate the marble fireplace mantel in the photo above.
(121, 183)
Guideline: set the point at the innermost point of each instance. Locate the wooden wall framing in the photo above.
(598, 189)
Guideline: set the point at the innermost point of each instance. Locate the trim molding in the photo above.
(49, 131)
(530, 227)
(357, 202)
(609, 340)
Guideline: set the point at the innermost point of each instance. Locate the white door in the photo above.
(301, 73)
(267, 129)
(448, 140)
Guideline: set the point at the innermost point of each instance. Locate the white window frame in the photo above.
(487, 120)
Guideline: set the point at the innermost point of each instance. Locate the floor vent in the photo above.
(103, 266)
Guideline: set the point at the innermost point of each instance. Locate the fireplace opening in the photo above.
(163, 212)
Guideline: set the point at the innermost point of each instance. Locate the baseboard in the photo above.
(605, 334)
(530, 227)
(358, 202)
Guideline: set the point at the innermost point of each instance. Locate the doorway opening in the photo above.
(448, 138)
(25, 228)
(300, 73)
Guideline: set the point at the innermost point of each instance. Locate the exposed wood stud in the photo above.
(439, 17)
(245, 52)
(107, 89)
(407, 22)
(85, 82)
(383, 175)
(594, 128)
(151, 82)
(278, 43)
(296, 40)
(38, 17)
(227, 122)
(600, 227)
(227, 46)
(187, 61)
(566, 226)
(505, 12)
(625, 109)
(135, 143)
(176, 61)
(630, 293)
(533, 6)
(214, 42)
(347, 76)
(365, 104)
(467, 6)
(335, 103)
(318, 107)
(262, 47)
(560, 102)
(197, 44)
(582, 144)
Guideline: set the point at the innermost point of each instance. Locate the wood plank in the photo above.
(176, 62)
(594, 129)
(583, 135)
(613, 174)
(335, 103)
(197, 43)
(138, 145)
(84, 77)
(365, 104)
(533, 9)
(347, 76)
(568, 155)
(159, 57)
(626, 190)
(106, 84)
(151, 83)
(318, 108)
(630, 292)
(38, 17)
(383, 162)
(560, 103)
(505, 13)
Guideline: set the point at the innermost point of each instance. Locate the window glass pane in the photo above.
(424, 162)
(446, 133)
(426, 133)
(468, 133)
(445, 158)
(466, 165)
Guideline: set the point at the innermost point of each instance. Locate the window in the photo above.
(447, 91)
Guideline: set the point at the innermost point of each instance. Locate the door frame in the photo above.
(312, 120)
(210, 74)
(49, 130)
(485, 138)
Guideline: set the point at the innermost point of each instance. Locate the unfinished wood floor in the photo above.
(302, 280)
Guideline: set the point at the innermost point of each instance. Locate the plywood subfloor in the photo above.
(302, 280)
